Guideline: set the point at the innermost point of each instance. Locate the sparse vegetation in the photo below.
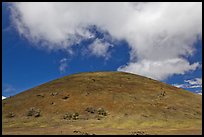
(91, 110)
(41, 95)
(93, 80)
(143, 115)
(163, 93)
(54, 94)
(99, 113)
(52, 103)
(170, 108)
(65, 97)
(75, 116)
(138, 133)
(81, 133)
(67, 116)
(87, 93)
(33, 112)
(71, 116)
(102, 112)
(11, 115)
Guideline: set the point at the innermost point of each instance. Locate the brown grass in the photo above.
(132, 103)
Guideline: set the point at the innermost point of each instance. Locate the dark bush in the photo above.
(75, 116)
(136, 133)
(139, 133)
(37, 114)
(76, 131)
(163, 93)
(65, 97)
(99, 117)
(102, 112)
(87, 93)
(33, 112)
(53, 94)
(91, 110)
(11, 115)
(81, 133)
(52, 103)
(69, 116)
(40, 95)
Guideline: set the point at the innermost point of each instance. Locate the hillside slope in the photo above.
(103, 103)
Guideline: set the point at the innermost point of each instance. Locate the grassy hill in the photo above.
(103, 103)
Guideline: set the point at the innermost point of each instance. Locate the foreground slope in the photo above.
(103, 103)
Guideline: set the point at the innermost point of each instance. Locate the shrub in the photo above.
(99, 117)
(139, 133)
(11, 115)
(93, 80)
(76, 131)
(30, 112)
(102, 112)
(53, 94)
(33, 112)
(75, 116)
(69, 116)
(91, 110)
(65, 97)
(37, 114)
(52, 103)
(40, 95)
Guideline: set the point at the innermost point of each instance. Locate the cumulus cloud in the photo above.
(179, 85)
(159, 34)
(100, 48)
(196, 81)
(159, 69)
(3, 97)
(192, 83)
(199, 92)
(63, 65)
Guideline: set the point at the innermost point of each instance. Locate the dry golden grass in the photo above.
(133, 103)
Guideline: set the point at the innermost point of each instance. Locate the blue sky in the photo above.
(33, 56)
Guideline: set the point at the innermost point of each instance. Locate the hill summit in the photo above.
(103, 103)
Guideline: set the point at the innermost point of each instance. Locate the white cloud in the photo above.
(199, 92)
(196, 81)
(159, 69)
(100, 48)
(179, 85)
(195, 86)
(63, 65)
(192, 83)
(3, 97)
(63, 60)
(158, 33)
